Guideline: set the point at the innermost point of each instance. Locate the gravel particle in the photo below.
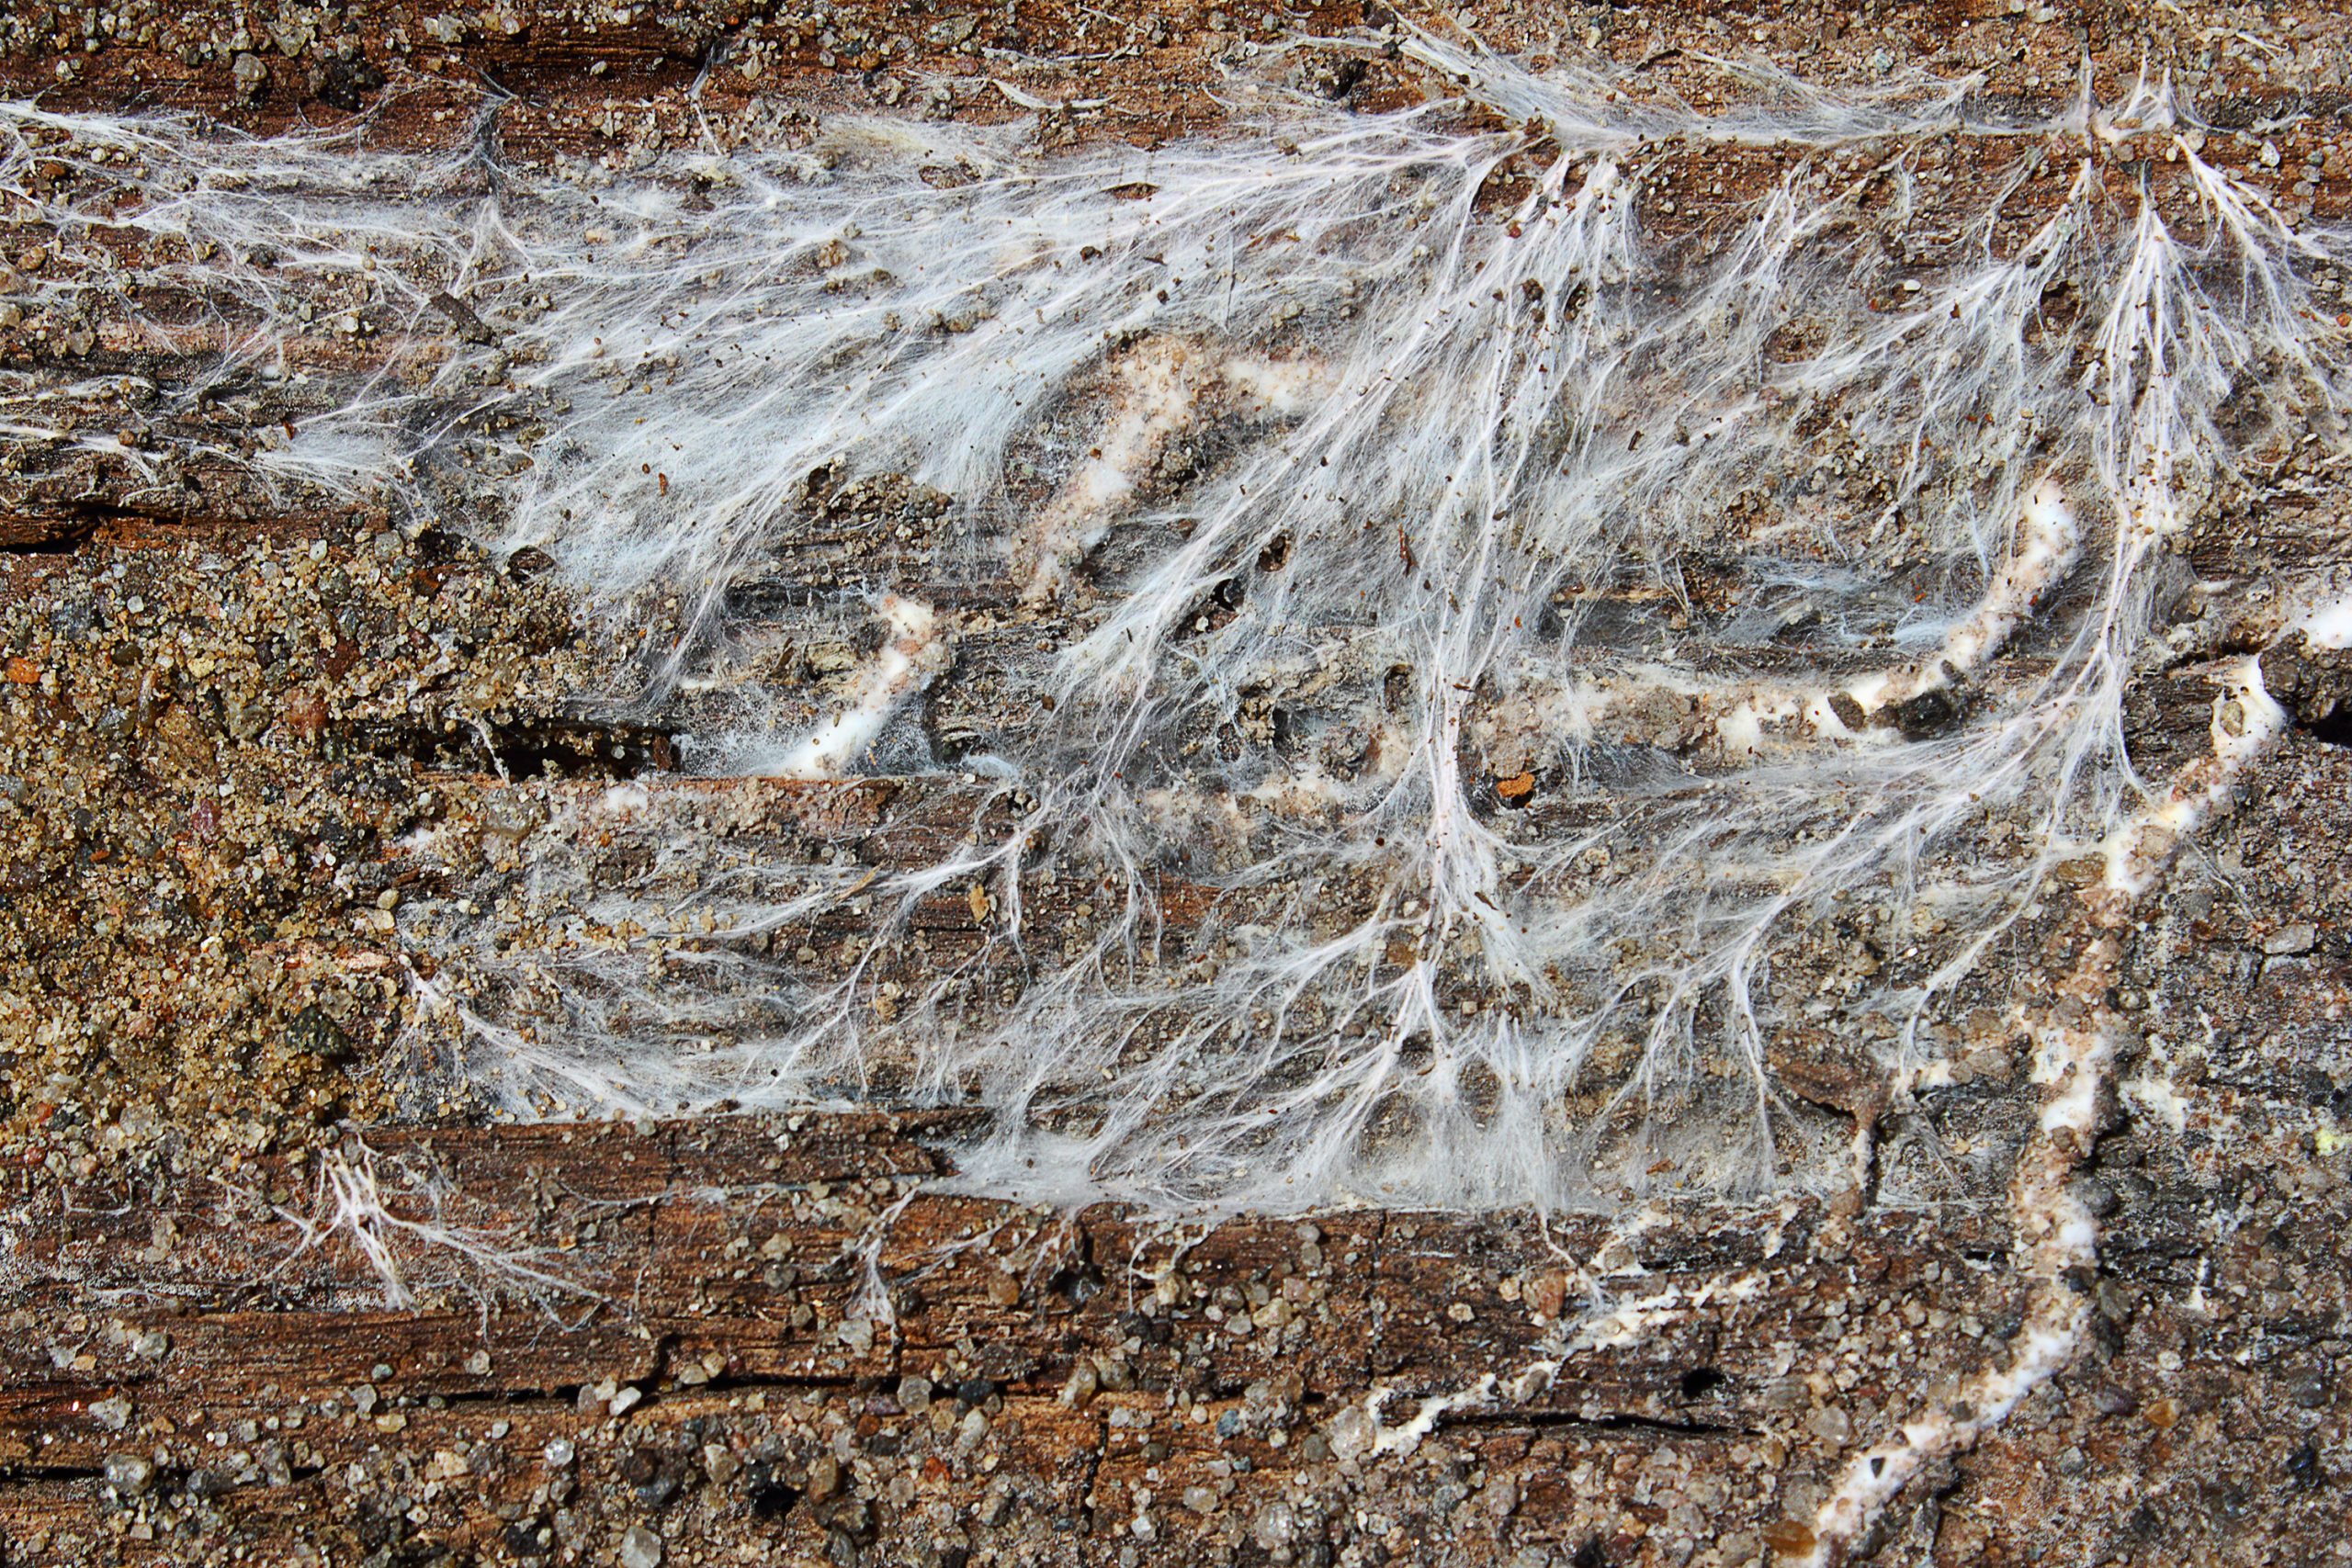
(2287, 941)
(641, 1548)
(1831, 1426)
(130, 1474)
(972, 1428)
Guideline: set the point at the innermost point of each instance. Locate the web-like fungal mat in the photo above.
(1275, 503)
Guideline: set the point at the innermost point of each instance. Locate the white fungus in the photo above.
(1298, 416)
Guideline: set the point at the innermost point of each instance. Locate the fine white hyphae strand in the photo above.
(353, 1210)
(1336, 481)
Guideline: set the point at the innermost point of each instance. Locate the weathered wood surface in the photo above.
(758, 1340)
(723, 1288)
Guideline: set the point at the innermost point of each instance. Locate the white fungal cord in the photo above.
(1156, 384)
(1435, 656)
(2075, 1033)
(906, 664)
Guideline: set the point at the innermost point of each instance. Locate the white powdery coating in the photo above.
(1625, 1322)
(907, 663)
(2328, 623)
(2159, 1096)
(1741, 731)
(1154, 387)
(1276, 386)
(1403, 1438)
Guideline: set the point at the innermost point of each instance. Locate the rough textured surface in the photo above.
(753, 1340)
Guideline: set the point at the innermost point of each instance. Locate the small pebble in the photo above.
(130, 1474)
(641, 1548)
